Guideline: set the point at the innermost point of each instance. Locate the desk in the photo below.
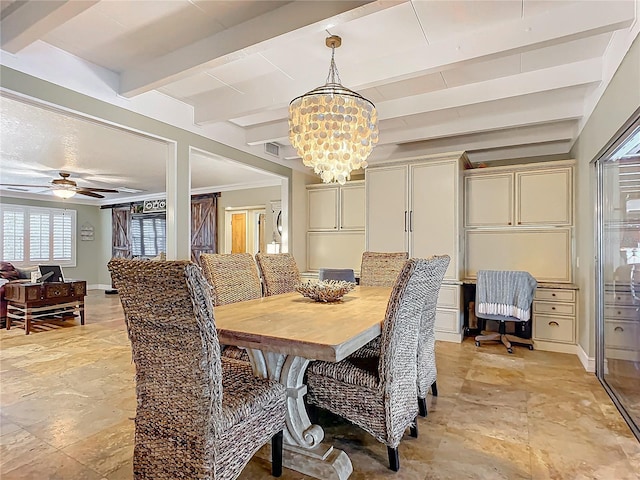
(30, 301)
(282, 334)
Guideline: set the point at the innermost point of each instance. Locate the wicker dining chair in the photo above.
(198, 416)
(233, 278)
(279, 272)
(381, 269)
(379, 393)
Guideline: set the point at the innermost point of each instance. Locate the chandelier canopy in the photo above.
(333, 128)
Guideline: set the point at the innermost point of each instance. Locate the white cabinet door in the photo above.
(352, 207)
(489, 200)
(433, 220)
(387, 211)
(544, 197)
(323, 208)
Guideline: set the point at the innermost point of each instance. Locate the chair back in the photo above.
(340, 274)
(427, 338)
(233, 277)
(417, 284)
(504, 295)
(169, 319)
(381, 269)
(279, 272)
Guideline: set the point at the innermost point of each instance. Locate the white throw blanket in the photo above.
(505, 293)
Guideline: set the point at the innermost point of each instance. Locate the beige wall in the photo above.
(90, 262)
(620, 100)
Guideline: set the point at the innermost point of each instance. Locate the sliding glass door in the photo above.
(618, 273)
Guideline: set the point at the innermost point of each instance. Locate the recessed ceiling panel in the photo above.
(442, 20)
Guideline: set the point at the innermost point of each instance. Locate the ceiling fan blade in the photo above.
(91, 189)
(20, 185)
(89, 194)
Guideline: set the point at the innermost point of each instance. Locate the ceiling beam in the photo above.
(22, 23)
(560, 25)
(523, 151)
(544, 80)
(485, 123)
(280, 25)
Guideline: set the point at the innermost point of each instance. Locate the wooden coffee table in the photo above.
(32, 301)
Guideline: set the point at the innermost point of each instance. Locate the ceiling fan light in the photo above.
(63, 193)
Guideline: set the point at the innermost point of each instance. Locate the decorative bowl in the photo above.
(324, 291)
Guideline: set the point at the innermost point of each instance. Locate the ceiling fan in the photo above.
(67, 188)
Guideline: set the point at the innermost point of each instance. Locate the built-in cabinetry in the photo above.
(520, 217)
(415, 205)
(554, 319)
(336, 225)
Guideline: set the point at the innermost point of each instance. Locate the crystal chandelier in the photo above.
(333, 128)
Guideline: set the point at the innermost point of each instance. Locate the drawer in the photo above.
(447, 321)
(621, 334)
(555, 295)
(554, 308)
(614, 298)
(624, 313)
(554, 329)
(449, 296)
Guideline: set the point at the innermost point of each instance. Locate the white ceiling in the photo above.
(503, 79)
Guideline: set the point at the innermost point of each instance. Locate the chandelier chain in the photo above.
(333, 69)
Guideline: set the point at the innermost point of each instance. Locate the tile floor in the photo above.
(67, 401)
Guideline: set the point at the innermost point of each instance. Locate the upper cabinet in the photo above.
(333, 207)
(526, 195)
(323, 208)
(335, 230)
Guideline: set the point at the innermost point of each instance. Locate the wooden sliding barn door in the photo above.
(204, 231)
(121, 227)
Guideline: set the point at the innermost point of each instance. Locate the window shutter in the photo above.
(62, 237)
(12, 235)
(39, 236)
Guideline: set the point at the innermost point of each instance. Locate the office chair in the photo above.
(505, 296)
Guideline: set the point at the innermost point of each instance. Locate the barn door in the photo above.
(204, 236)
(121, 224)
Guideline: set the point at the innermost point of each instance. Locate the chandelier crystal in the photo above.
(332, 128)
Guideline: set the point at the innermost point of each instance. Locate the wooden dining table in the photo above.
(282, 334)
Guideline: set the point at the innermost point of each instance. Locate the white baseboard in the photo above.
(449, 337)
(98, 286)
(589, 363)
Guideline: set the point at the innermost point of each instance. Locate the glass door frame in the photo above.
(598, 162)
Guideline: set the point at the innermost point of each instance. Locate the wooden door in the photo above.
(204, 232)
(120, 228)
(239, 232)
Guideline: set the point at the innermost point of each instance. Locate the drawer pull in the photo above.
(554, 324)
(553, 308)
(618, 329)
(553, 294)
(619, 312)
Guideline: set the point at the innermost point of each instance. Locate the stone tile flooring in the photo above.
(67, 402)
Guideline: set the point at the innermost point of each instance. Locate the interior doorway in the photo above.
(245, 230)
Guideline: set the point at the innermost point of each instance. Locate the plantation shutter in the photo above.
(39, 236)
(12, 235)
(62, 237)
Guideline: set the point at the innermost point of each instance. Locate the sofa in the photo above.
(9, 273)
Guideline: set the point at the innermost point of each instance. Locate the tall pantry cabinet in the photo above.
(415, 205)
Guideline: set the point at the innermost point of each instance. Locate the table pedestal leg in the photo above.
(304, 450)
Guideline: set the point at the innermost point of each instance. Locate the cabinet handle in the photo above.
(553, 308)
(519, 223)
(509, 223)
(405, 220)
(411, 221)
(618, 329)
(619, 312)
(554, 324)
(553, 294)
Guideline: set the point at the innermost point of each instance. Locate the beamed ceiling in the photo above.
(503, 80)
